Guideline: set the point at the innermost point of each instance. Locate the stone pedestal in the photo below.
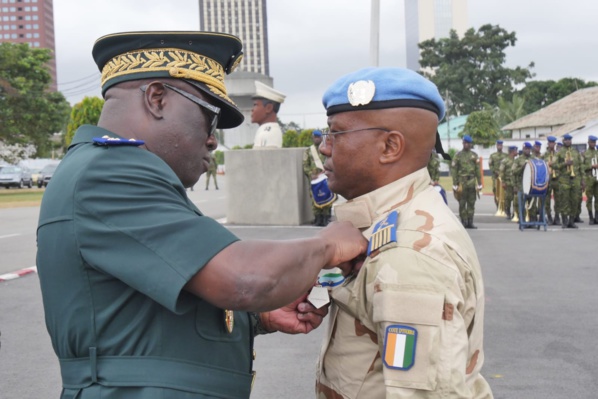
(267, 187)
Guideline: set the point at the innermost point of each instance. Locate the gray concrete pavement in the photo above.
(540, 311)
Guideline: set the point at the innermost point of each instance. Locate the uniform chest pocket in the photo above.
(410, 325)
(210, 323)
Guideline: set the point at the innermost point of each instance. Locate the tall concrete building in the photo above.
(31, 22)
(431, 19)
(247, 19)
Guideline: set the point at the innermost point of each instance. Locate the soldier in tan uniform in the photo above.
(409, 323)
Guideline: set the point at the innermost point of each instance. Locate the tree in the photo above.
(540, 93)
(290, 139)
(29, 112)
(471, 69)
(85, 112)
(482, 128)
(509, 111)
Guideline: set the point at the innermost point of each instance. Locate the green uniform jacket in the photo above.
(118, 239)
(494, 162)
(434, 168)
(506, 171)
(465, 168)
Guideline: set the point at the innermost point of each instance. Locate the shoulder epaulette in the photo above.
(114, 141)
(384, 234)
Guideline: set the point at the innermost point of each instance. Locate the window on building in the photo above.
(35, 26)
(34, 8)
(27, 9)
(28, 35)
(35, 44)
(36, 35)
(27, 17)
(35, 17)
(28, 26)
(14, 36)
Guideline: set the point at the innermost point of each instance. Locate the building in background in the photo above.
(31, 22)
(431, 19)
(248, 20)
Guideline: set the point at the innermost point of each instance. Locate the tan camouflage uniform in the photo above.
(429, 280)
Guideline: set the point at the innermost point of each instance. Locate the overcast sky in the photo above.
(313, 42)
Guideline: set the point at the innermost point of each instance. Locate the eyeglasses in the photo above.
(203, 104)
(327, 134)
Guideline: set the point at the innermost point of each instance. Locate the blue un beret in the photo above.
(527, 144)
(559, 143)
(551, 139)
(379, 88)
(467, 138)
(512, 148)
(592, 138)
(498, 141)
(317, 133)
(567, 137)
(538, 143)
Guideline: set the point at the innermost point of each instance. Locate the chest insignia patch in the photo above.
(114, 141)
(399, 347)
(384, 234)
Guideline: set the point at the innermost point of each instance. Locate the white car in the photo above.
(14, 176)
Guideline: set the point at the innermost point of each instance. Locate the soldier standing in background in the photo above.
(505, 173)
(537, 150)
(553, 186)
(313, 166)
(434, 168)
(494, 165)
(465, 170)
(568, 165)
(518, 167)
(590, 168)
(211, 172)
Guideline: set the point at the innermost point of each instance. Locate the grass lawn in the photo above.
(447, 183)
(14, 197)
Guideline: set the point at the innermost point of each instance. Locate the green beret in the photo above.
(199, 58)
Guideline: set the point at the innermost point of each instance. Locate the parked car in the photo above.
(46, 175)
(14, 176)
(35, 174)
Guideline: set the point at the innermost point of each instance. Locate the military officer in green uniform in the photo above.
(494, 164)
(590, 169)
(465, 171)
(537, 150)
(505, 173)
(568, 164)
(553, 186)
(144, 296)
(212, 172)
(313, 167)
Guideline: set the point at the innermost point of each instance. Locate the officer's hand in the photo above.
(353, 266)
(299, 317)
(455, 188)
(345, 242)
(480, 187)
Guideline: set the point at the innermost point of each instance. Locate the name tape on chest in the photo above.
(114, 141)
(399, 347)
(384, 234)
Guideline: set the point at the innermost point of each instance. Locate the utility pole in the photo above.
(375, 33)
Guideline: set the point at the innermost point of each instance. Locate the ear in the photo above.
(394, 147)
(154, 99)
(269, 107)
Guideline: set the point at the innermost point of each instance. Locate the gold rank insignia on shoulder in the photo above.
(229, 320)
(361, 92)
(114, 141)
(384, 234)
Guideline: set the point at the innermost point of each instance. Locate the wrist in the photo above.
(261, 323)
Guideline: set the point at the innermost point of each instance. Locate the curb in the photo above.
(17, 274)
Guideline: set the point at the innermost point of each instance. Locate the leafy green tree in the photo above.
(86, 112)
(305, 139)
(290, 139)
(471, 69)
(29, 112)
(482, 128)
(219, 156)
(509, 111)
(540, 93)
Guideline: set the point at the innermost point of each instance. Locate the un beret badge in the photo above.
(361, 92)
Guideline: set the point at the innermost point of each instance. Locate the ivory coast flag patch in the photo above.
(399, 347)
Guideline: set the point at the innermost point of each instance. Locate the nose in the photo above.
(324, 147)
(212, 142)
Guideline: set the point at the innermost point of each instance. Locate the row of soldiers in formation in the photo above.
(570, 174)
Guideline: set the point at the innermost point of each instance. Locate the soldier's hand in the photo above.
(480, 187)
(299, 317)
(345, 242)
(455, 188)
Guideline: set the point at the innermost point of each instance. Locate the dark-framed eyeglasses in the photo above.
(215, 111)
(327, 134)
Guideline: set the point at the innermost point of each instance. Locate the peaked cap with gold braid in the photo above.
(199, 58)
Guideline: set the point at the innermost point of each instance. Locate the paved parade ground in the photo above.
(540, 310)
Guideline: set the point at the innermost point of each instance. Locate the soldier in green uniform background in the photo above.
(144, 296)
(537, 150)
(465, 171)
(212, 172)
(505, 173)
(434, 168)
(313, 166)
(494, 164)
(553, 186)
(568, 164)
(518, 167)
(590, 168)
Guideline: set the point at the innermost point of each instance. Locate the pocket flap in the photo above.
(408, 307)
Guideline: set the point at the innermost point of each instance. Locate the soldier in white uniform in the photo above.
(409, 323)
(266, 103)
